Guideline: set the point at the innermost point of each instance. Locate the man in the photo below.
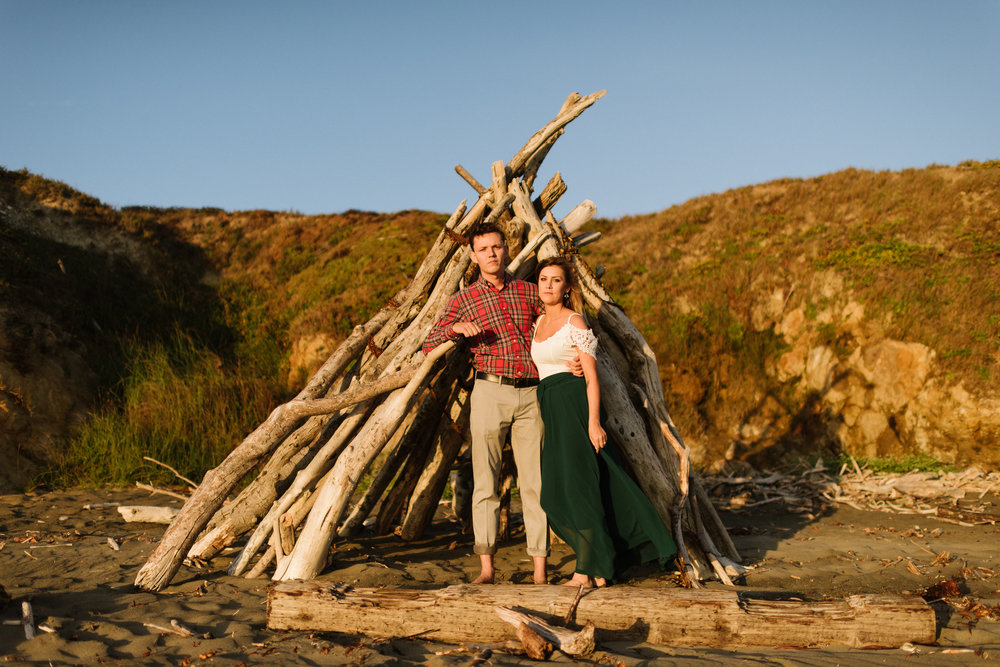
(496, 313)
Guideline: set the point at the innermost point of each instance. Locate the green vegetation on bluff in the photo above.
(187, 317)
(920, 249)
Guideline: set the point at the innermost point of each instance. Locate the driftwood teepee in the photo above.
(379, 393)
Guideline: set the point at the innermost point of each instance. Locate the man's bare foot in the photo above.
(600, 582)
(485, 569)
(539, 563)
(484, 578)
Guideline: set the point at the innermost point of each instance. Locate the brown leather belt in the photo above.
(517, 383)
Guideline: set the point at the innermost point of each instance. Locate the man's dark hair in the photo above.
(482, 229)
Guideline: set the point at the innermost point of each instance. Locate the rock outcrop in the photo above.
(877, 396)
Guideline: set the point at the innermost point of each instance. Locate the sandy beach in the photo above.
(56, 552)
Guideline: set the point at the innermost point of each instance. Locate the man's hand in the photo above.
(574, 366)
(467, 329)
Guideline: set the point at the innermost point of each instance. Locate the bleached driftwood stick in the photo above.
(578, 217)
(537, 142)
(681, 503)
(165, 492)
(397, 450)
(147, 513)
(470, 179)
(177, 628)
(27, 619)
(177, 474)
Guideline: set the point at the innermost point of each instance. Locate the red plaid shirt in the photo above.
(506, 316)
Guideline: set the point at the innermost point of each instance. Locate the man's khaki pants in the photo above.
(496, 411)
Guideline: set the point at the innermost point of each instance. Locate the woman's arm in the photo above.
(598, 438)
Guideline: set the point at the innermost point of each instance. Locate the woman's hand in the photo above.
(598, 438)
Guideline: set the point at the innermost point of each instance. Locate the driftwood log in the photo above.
(665, 616)
(377, 401)
(579, 642)
(147, 513)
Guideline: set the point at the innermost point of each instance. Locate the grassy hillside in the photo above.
(920, 249)
(187, 317)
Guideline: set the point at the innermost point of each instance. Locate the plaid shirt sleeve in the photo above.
(441, 331)
(506, 315)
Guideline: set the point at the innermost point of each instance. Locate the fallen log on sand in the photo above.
(665, 616)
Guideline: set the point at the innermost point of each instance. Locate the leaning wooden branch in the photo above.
(538, 142)
(173, 470)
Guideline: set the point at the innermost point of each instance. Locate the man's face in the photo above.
(490, 252)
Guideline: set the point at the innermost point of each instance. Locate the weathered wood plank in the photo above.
(665, 616)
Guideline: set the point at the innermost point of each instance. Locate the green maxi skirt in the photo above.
(590, 501)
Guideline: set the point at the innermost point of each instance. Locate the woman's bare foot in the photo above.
(600, 582)
(578, 580)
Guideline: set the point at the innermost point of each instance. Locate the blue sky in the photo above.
(320, 107)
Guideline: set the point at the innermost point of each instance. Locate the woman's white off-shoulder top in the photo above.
(550, 355)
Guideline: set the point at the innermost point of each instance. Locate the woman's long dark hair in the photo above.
(574, 300)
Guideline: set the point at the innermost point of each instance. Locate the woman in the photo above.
(591, 503)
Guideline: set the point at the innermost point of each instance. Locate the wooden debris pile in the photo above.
(913, 492)
(948, 495)
(799, 491)
(949, 591)
(378, 398)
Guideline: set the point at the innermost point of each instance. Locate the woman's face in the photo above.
(552, 285)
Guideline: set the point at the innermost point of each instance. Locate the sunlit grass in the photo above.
(179, 405)
(903, 464)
